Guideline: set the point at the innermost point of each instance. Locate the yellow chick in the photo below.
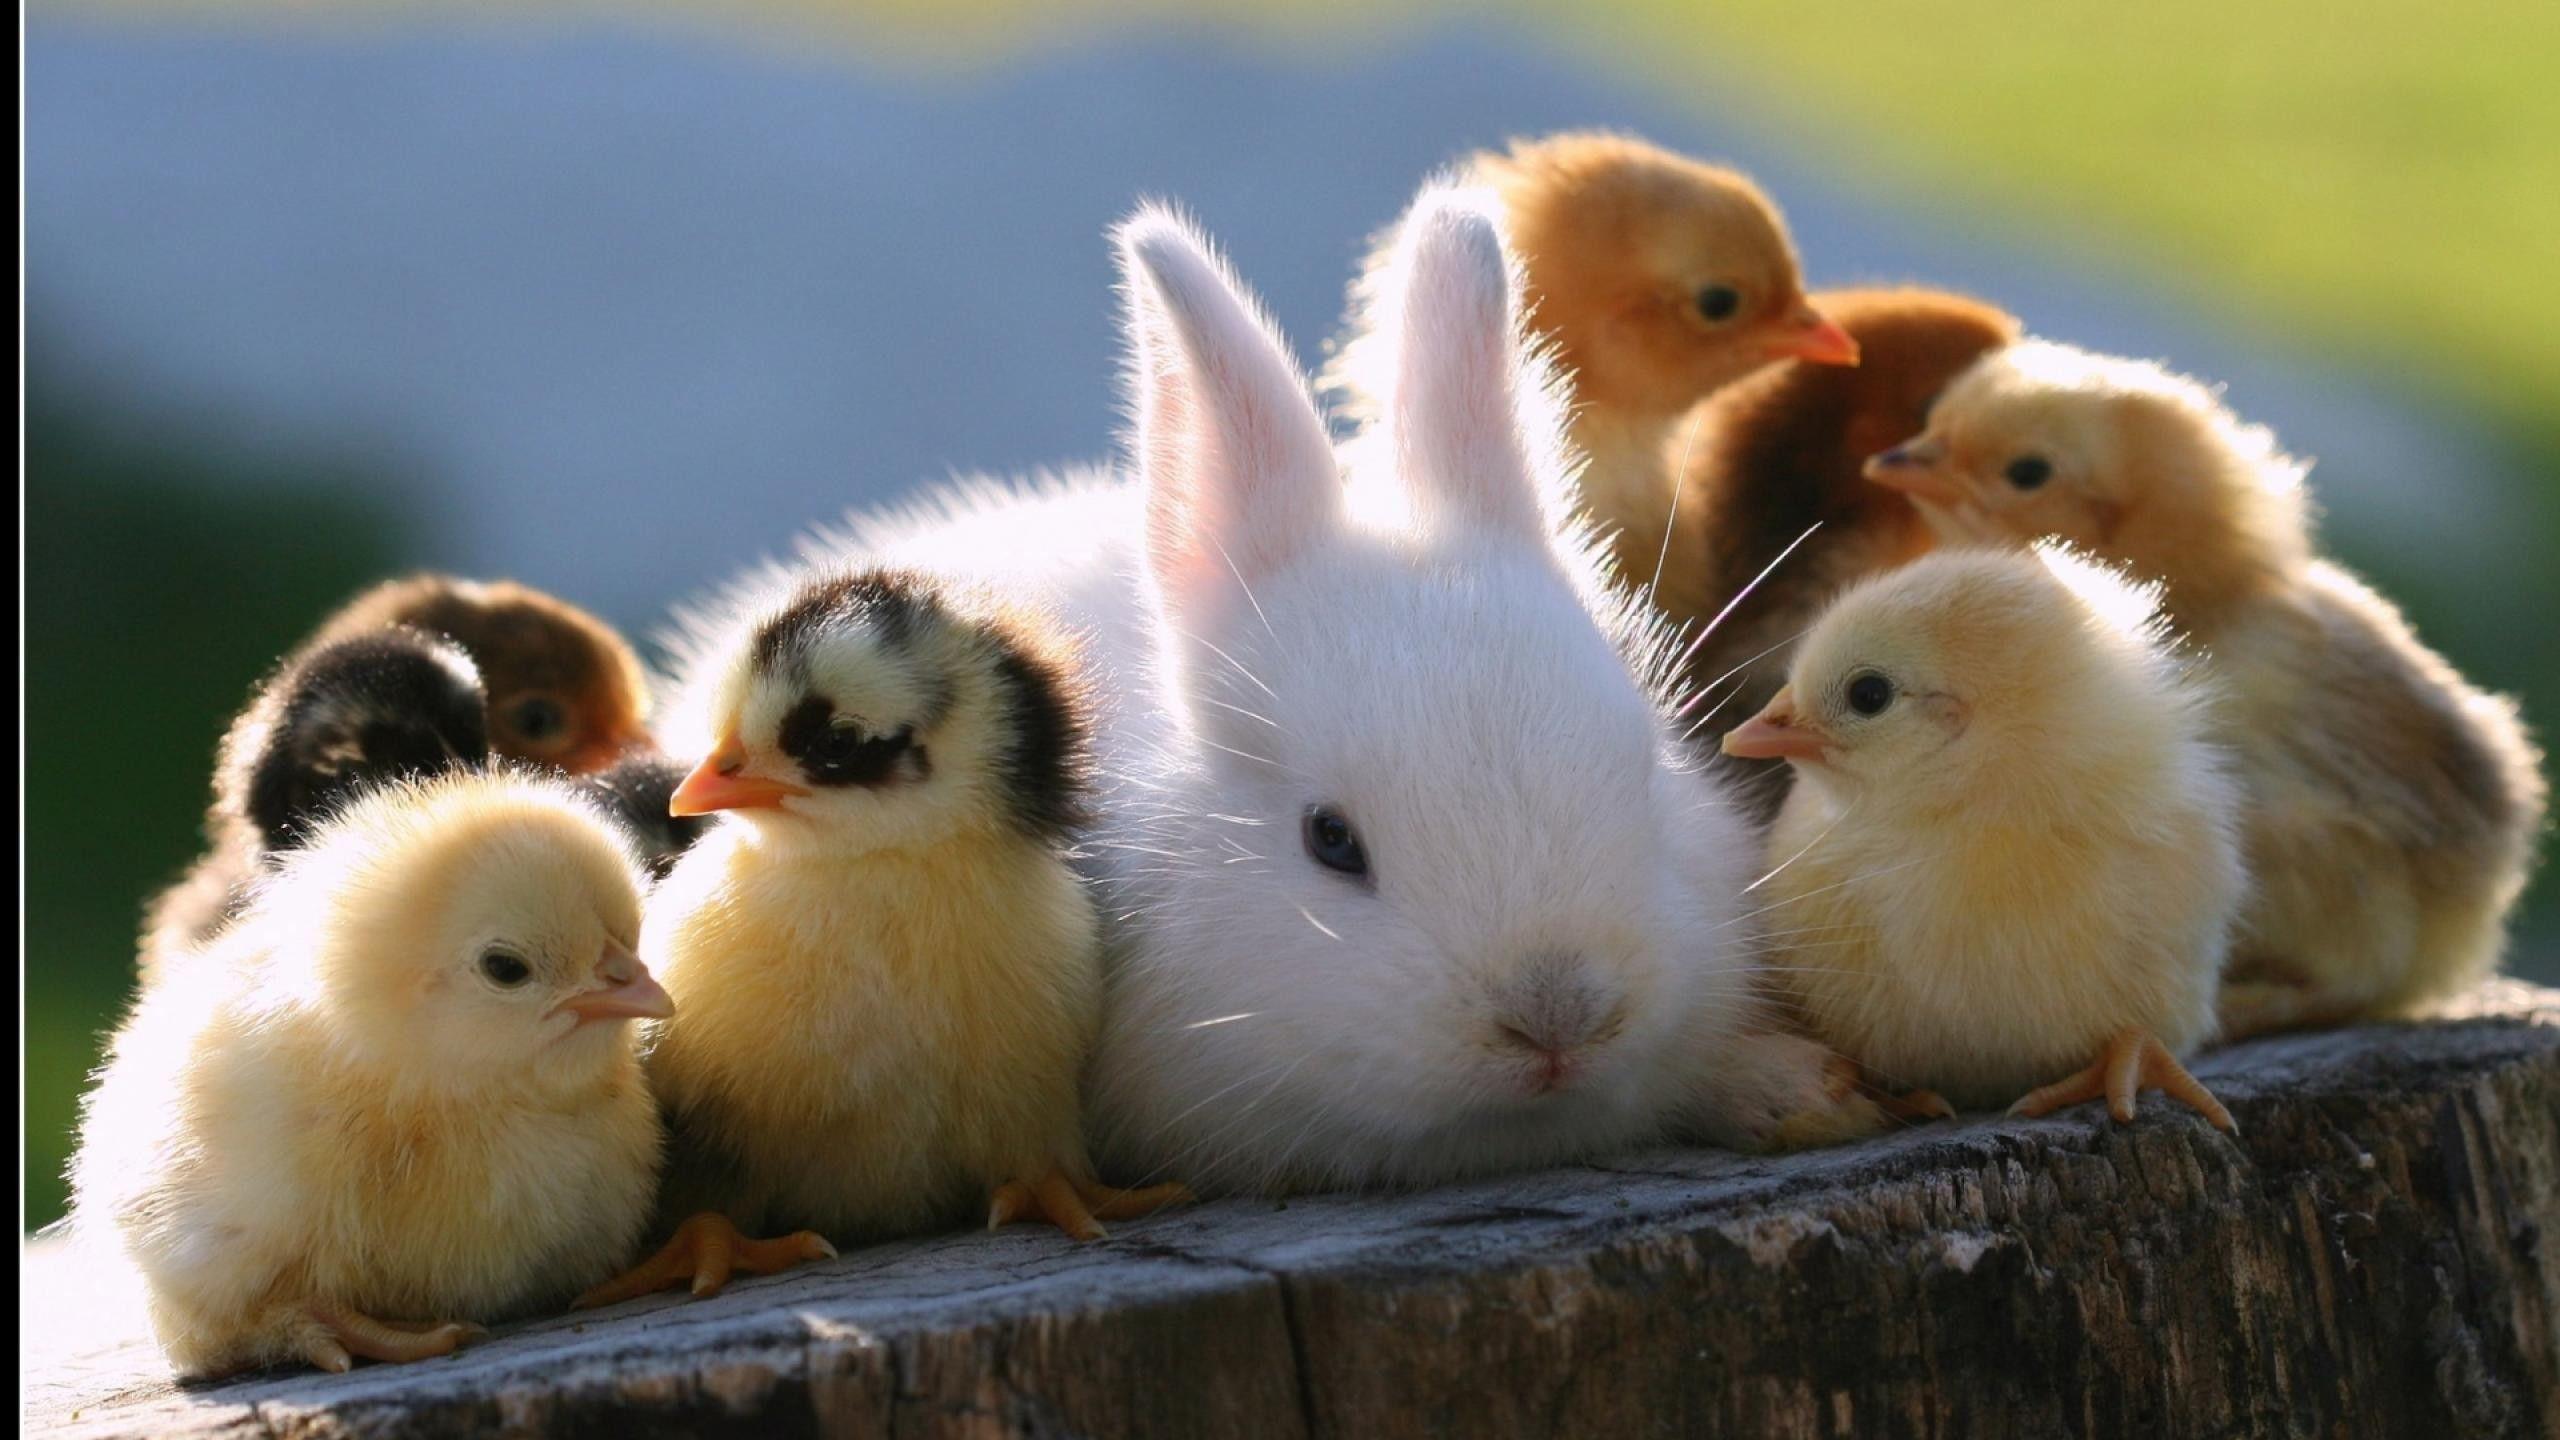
(888, 975)
(2009, 864)
(398, 1097)
(2393, 806)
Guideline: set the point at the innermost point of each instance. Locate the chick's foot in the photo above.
(705, 1250)
(2132, 1061)
(338, 1336)
(1077, 1206)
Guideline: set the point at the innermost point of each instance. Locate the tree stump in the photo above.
(2377, 1253)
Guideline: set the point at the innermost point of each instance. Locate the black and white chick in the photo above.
(886, 972)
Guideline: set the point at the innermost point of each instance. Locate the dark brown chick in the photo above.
(1781, 452)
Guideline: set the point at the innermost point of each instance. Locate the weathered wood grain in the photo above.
(2378, 1253)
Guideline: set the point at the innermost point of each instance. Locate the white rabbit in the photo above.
(1408, 876)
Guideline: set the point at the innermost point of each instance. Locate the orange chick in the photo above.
(2393, 806)
(1658, 279)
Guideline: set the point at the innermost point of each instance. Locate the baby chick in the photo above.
(636, 790)
(397, 1097)
(2394, 806)
(888, 975)
(2010, 852)
(1772, 517)
(331, 722)
(560, 688)
(565, 688)
(1660, 279)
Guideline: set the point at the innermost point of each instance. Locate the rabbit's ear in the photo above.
(1238, 468)
(1461, 378)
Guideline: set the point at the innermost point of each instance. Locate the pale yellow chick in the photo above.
(2394, 808)
(888, 975)
(2008, 868)
(398, 1097)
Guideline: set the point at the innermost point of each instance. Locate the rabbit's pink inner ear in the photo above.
(1456, 411)
(1238, 469)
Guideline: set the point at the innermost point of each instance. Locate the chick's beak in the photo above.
(1776, 733)
(624, 990)
(721, 782)
(1809, 334)
(1915, 467)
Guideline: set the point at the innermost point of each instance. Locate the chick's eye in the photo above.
(2029, 471)
(504, 969)
(1719, 302)
(837, 749)
(1332, 843)
(839, 745)
(538, 719)
(1870, 693)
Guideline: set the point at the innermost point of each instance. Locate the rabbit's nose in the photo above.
(1555, 1005)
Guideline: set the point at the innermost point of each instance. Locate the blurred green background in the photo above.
(2374, 183)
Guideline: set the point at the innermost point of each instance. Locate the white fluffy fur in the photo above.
(1451, 672)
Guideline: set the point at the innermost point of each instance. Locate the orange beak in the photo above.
(1776, 733)
(625, 990)
(1811, 335)
(721, 783)
(1914, 467)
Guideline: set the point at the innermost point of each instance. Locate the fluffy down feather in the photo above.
(2009, 839)
(2394, 807)
(340, 1110)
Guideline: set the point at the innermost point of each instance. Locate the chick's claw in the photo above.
(338, 1336)
(706, 1249)
(1073, 1205)
(1913, 1107)
(1112, 1203)
(2133, 1061)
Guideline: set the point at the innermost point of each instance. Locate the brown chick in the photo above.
(562, 688)
(1772, 465)
(1658, 279)
(2393, 806)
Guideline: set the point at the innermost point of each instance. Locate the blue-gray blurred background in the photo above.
(617, 301)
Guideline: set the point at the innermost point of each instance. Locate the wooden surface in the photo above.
(2377, 1254)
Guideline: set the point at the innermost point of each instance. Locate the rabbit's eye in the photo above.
(1332, 843)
